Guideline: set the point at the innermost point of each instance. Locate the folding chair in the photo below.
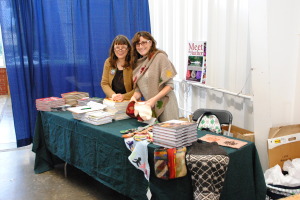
(224, 116)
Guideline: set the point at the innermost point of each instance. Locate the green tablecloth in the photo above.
(100, 152)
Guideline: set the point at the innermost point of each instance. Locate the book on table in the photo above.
(175, 126)
(191, 136)
(45, 104)
(178, 133)
(177, 143)
(117, 108)
(82, 109)
(97, 117)
(119, 105)
(174, 133)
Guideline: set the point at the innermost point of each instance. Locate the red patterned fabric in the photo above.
(130, 111)
(171, 162)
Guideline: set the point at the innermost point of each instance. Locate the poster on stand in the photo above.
(196, 62)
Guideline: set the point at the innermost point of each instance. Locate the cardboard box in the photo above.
(188, 118)
(283, 144)
(239, 133)
(293, 197)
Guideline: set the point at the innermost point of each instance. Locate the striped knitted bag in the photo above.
(170, 163)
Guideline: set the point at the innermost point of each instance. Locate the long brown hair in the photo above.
(120, 40)
(136, 39)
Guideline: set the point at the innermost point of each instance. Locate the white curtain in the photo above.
(224, 25)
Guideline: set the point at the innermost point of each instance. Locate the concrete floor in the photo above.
(7, 129)
(19, 182)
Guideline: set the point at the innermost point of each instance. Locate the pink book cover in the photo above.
(223, 141)
(48, 99)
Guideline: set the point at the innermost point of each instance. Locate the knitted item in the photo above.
(170, 163)
(209, 122)
(199, 148)
(208, 164)
(161, 163)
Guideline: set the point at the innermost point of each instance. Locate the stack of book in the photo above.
(45, 104)
(60, 108)
(72, 97)
(97, 117)
(85, 100)
(80, 111)
(116, 108)
(174, 133)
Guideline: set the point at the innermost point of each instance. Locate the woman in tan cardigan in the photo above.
(117, 73)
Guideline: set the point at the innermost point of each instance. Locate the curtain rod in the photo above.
(215, 89)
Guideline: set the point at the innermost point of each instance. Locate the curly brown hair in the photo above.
(120, 40)
(136, 39)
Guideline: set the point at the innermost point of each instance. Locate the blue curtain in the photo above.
(57, 46)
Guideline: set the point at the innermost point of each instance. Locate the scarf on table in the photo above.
(162, 70)
(139, 158)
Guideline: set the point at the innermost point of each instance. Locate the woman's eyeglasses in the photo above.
(120, 48)
(143, 43)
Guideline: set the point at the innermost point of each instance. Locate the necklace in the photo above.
(120, 65)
